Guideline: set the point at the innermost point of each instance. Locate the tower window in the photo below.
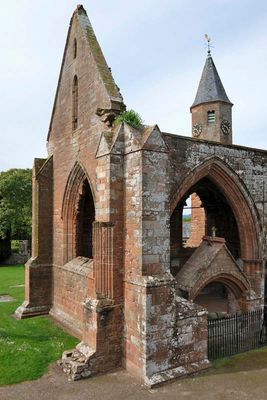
(211, 117)
(75, 103)
(75, 48)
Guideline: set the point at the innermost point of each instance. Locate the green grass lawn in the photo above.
(28, 346)
(242, 362)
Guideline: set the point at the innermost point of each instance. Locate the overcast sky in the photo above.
(156, 50)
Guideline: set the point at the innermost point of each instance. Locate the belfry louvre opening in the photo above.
(211, 117)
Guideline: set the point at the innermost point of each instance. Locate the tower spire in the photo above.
(210, 87)
(211, 110)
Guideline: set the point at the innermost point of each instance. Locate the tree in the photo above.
(15, 204)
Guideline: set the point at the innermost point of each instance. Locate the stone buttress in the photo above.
(38, 272)
(165, 336)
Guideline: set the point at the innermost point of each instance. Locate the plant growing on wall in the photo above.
(131, 117)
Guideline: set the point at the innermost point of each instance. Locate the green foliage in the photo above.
(15, 203)
(15, 246)
(27, 347)
(131, 117)
(187, 218)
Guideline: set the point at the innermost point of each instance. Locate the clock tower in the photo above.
(211, 110)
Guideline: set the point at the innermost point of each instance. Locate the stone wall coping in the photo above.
(214, 239)
(33, 262)
(186, 308)
(152, 281)
(211, 143)
(40, 166)
(99, 305)
(79, 265)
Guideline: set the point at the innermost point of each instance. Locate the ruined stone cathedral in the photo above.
(110, 261)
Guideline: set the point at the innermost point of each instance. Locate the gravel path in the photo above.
(120, 385)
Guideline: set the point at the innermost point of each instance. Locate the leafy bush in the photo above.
(131, 117)
(15, 246)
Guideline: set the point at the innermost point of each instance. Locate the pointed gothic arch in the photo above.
(235, 294)
(78, 214)
(239, 287)
(238, 198)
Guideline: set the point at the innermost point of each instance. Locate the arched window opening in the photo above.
(78, 215)
(85, 217)
(75, 48)
(75, 103)
(211, 215)
(211, 117)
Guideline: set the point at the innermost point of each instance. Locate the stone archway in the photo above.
(213, 262)
(78, 214)
(220, 297)
(239, 200)
(237, 292)
(194, 268)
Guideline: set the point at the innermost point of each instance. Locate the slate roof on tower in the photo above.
(210, 87)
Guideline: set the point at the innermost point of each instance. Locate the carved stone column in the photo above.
(103, 258)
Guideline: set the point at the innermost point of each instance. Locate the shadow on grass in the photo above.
(248, 361)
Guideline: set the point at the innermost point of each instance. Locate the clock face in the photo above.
(197, 129)
(226, 127)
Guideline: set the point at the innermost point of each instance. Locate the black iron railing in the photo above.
(236, 333)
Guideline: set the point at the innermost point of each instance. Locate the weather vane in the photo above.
(208, 42)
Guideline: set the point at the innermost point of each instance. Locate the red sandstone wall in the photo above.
(70, 295)
(69, 146)
(197, 222)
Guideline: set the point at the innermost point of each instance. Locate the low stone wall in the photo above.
(183, 350)
(70, 292)
(165, 335)
(16, 259)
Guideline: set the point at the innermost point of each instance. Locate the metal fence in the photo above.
(236, 334)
